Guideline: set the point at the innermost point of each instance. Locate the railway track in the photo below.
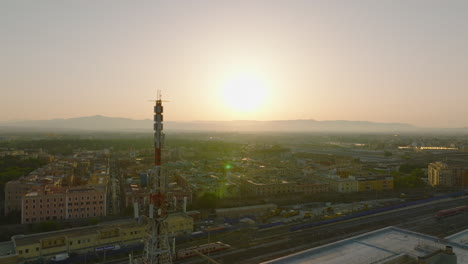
(263, 249)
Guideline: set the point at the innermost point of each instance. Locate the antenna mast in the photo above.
(157, 248)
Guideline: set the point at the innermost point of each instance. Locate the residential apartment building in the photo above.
(444, 174)
(56, 203)
(14, 192)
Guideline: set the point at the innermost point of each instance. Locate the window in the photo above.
(26, 251)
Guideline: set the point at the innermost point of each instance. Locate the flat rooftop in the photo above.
(459, 238)
(7, 248)
(71, 232)
(378, 247)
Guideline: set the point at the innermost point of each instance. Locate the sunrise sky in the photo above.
(384, 61)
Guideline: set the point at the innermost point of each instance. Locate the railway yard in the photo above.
(255, 246)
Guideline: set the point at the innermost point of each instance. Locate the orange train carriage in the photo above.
(203, 249)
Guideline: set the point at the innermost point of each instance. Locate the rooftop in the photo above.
(7, 248)
(378, 247)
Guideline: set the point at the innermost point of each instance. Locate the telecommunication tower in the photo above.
(157, 247)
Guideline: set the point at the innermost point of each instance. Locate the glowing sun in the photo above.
(244, 93)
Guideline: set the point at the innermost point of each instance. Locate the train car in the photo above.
(374, 211)
(452, 211)
(203, 249)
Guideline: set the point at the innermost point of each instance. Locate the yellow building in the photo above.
(179, 224)
(87, 239)
(375, 183)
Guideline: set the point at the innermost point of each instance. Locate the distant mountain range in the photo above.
(115, 124)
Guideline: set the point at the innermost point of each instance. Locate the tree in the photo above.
(207, 201)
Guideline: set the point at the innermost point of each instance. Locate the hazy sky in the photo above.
(387, 61)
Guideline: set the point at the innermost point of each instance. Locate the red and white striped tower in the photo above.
(157, 248)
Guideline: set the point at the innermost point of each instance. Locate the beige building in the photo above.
(283, 187)
(342, 185)
(440, 173)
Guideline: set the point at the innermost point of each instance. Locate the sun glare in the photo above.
(244, 93)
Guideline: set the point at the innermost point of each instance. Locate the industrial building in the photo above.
(385, 246)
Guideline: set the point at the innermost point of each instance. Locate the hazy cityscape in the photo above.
(234, 132)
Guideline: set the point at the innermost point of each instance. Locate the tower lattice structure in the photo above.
(157, 248)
